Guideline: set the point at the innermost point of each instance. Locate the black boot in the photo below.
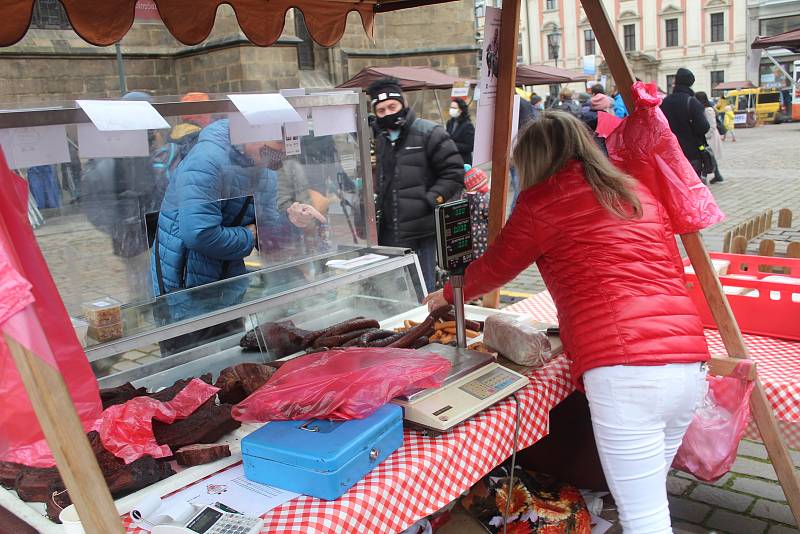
(717, 178)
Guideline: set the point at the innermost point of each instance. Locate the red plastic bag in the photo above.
(643, 146)
(711, 442)
(341, 384)
(126, 430)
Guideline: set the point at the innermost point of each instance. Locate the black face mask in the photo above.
(395, 121)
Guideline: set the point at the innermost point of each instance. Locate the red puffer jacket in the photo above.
(616, 283)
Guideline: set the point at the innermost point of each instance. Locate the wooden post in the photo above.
(785, 218)
(503, 115)
(739, 245)
(706, 275)
(726, 242)
(62, 428)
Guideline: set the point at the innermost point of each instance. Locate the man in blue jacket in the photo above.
(206, 226)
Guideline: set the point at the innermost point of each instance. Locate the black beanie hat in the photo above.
(684, 77)
(387, 88)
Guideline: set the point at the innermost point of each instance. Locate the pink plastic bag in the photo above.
(341, 384)
(644, 147)
(711, 442)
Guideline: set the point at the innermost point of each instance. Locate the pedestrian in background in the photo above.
(461, 129)
(538, 106)
(566, 102)
(600, 102)
(730, 123)
(687, 118)
(713, 140)
(619, 105)
(419, 168)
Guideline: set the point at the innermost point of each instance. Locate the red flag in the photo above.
(31, 312)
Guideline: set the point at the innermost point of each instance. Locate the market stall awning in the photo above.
(103, 23)
(545, 74)
(411, 78)
(732, 86)
(790, 40)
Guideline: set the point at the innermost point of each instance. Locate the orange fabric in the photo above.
(191, 21)
(199, 120)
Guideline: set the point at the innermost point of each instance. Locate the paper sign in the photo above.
(265, 108)
(293, 92)
(38, 145)
(117, 115)
(92, 143)
(330, 120)
(244, 132)
(297, 129)
(250, 498)
(589, 65)
(490, 63)
(514, 121)
(291, 146)
(460, 90)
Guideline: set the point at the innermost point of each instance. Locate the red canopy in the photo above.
(411, 78)
(732, 86)
(105, 22)
(790, 40)
(545, 74)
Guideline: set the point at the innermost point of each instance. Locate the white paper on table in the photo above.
(92, 143)
(244, 132)
(298, 129)
(600, 525)
(115, 115)
(299, 91)
(265, 108)
(355, 262)
(152, 511)
(231, 488)
(331, 120)
(37, 145)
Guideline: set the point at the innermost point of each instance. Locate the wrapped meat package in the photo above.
(520, 339)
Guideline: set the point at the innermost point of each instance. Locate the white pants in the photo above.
(639, 417)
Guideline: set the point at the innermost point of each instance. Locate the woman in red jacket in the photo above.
(604, 247)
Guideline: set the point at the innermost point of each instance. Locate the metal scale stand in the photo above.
(475, 381)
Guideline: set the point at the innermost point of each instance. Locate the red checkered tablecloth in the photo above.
(778, 367)
(427, 473)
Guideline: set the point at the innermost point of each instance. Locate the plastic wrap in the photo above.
(341, 384)
(712, 440)
(126, 430)
(643, 146)
(520, 339)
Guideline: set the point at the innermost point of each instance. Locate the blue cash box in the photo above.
(321, 458)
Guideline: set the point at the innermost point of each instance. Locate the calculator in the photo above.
(211, 520)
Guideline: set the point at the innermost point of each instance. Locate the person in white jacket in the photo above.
(713, 139)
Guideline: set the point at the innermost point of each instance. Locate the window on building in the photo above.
(774, 26)
(671, 26)
(305, 50)
(552, 46)
(520, 54)
(480, 9)
(670, 83)
(550, 4)
(717, 77)
(717, 27)
(588, 42)
(49, 15)
(629, 37)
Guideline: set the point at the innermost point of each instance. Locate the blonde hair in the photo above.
(556, 138)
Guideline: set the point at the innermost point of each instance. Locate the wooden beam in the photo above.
(724, 365)
(503, 115)
(706, 275)
(62, 428)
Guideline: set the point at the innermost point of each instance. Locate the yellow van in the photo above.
(765, 102)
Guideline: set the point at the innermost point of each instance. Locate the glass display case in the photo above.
(173, 253)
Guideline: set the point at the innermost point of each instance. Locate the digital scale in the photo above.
(475, 381)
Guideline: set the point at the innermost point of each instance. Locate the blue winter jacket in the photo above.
(197, 241)
(619, 107)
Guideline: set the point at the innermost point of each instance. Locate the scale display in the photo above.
(487, 385)
(454, 236)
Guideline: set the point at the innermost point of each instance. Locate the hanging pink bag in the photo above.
(710, 444)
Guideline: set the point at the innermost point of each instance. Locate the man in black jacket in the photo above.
(418, 168)
(687, 118)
